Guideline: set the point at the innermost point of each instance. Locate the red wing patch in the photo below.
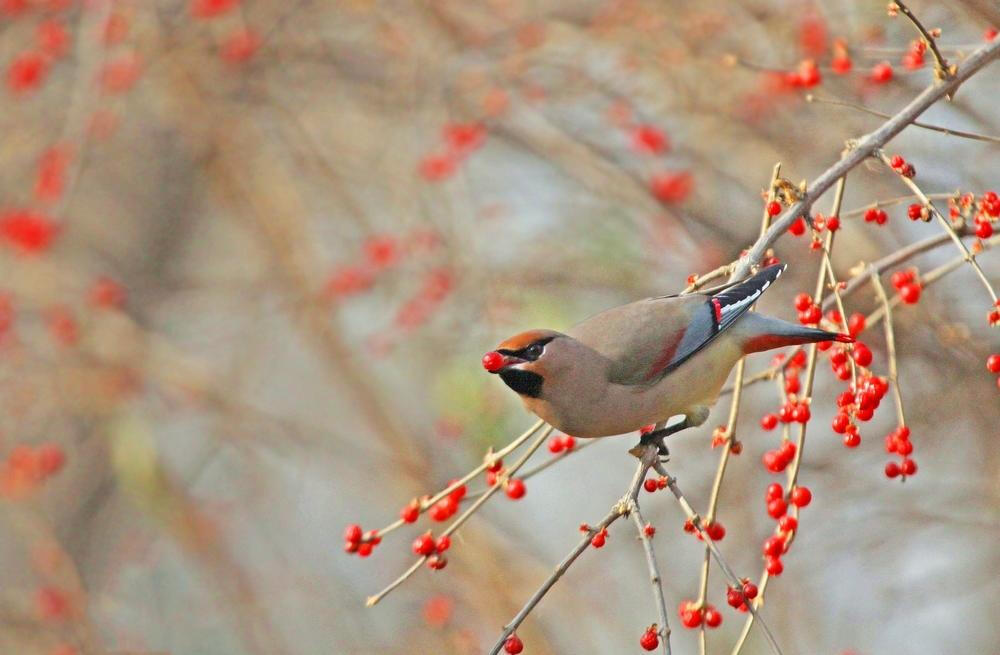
(666, 356)
(717, 304)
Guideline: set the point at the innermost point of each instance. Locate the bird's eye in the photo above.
(534, 351)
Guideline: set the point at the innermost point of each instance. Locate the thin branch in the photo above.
(862, 149)
(969, 257)
(927, 126)
(719, 559)
(654, 576)
(649, 457)
(427, 503)
(890, 345)
(941, 69)
(462, 518)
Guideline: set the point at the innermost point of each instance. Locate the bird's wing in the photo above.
(648, 339)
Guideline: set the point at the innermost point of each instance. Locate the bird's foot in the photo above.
(654, 437)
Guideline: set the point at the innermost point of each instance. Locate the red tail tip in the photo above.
(844, 338)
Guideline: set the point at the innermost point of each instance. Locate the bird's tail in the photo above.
(765, 333)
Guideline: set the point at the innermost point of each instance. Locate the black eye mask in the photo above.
(529, 353)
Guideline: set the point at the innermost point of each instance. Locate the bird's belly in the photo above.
(625, 408)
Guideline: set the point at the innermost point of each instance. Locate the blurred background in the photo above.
(251, 253)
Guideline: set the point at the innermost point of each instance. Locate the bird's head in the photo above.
(526, 360)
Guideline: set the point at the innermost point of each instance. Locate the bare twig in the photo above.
(649, 457)
(927, 126)
(890, 344)
(945, 223)
(941, 69)
(654, 576)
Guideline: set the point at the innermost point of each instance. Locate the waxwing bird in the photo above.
(645, 362)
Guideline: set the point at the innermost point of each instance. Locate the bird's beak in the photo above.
(494, 361)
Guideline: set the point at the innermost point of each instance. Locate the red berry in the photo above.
(773, 208)
(424, 544)
(493, 361)
(852, 439)
(733, 597)
(365, 549)
(352, 533)
(351, 546)
(910, 293)
(774, 566)
(811, 315)
(769, 421)
(650, 485)
(713, 618)
(773, 492)
(715, 530)
(437, 562)
(598, 540)
(495, 466)
(26, 72)
(833, 223)
(555, 445)
(993, 363)
(750, 590)
(515, 488)
(801, 413)
(649, 530)
(568, 442)
(776, 508)
(881, 73)
(513, 645)
(908, 467)
(871, 215)
(856, 324)
(841, 64)
(861, 354)
(774, 546)
(690, 615)
(801, 496)
(798, 227)
(788, 450)
(649, 639)
(803, 301)
(892, 470)
(410, 513)
(840, 423)
(915, 211)
(788, 523)
(984, 230)
(897, 161)
(773, 461)
(443, 544)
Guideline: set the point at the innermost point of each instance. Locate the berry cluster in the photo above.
(26, 468)
(898, 442)
(876, 216)
(913, 59)
(358, 542)
(426, 546)
(561, 443)
(714, 529)
(694, 615)
(459, 140)
(737, 598)
(907, 283)
(901, 166)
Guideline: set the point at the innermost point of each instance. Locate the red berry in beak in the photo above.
(493, 361)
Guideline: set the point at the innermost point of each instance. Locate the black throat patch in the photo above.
(525, 383)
